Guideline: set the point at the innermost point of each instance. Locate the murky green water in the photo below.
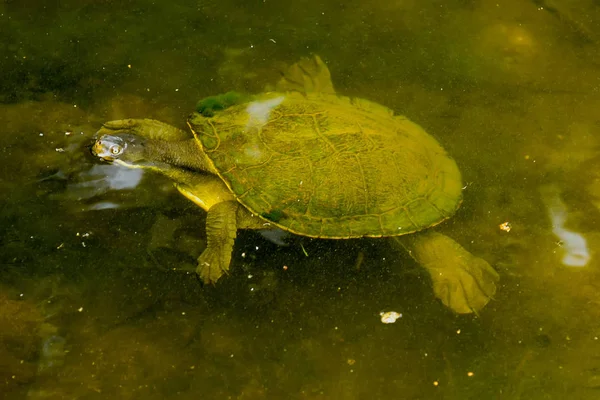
(95, 300)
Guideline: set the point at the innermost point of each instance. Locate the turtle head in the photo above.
(123, 149)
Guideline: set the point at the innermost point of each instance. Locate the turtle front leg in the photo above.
(221, 230)
(463, 282)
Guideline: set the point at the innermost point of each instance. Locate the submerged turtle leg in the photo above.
(222, 222)
(224, 217)
(309, 75)
(462, 282)
(221, 229)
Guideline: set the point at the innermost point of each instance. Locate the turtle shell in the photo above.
(329, 166)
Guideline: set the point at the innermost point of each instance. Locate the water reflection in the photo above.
(574, 245)
(100, 179)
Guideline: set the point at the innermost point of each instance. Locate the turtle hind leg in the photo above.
(208, 106)
(463, 282)
(309, 75)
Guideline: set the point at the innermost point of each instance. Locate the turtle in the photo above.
(309, 161)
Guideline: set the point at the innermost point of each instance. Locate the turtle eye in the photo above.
(115, 149)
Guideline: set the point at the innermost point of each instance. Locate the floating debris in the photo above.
(389, 317)
(505, 226)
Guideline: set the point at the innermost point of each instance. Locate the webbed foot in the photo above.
(212, 264)
(463, 282)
